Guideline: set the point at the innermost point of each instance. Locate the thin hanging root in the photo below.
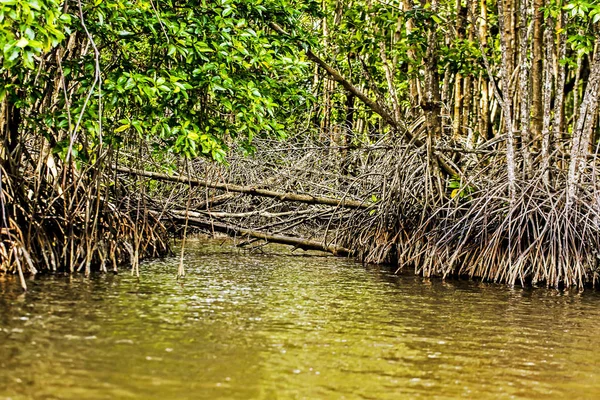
(19, 268)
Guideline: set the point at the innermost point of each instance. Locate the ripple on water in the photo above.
(253, 326)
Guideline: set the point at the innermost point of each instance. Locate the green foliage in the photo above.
(588, 10)
(196, 77)
(189, 77)
(583, 14)
(460, 190)
(462, 56)
(29, 28)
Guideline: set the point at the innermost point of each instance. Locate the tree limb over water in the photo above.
(250, 190)
(231, 230)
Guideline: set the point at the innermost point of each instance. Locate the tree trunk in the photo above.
(583, 128)
(559, 97)
(505, 71)
(468, 86)
(524, 88)
(328, 87)
(537, 69)
(413, 80)
(389, 78)
(432, 105)
(484, 112)
(13, 125)
(457, 127)
(250, 190)
(232, 230)
(547, 96)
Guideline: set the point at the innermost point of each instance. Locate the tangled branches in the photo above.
(480, 232)
(72, 222)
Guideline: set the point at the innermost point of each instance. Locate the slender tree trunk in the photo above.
(457, 110)
(547, 96)
(389, 77)
(537, 69)
(583, 128)
(413, 80)
(559, 98)
(13, 125)
(461, 13)
(524, 88)
(576, 87)
(445, 94)
(484, 120)
(346, 135)
(328, 87)
(432, 105)
(505, 71)
(468, 86)
(431, 99)
(482, 109)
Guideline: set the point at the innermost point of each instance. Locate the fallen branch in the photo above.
(259, 213)
(282, 196)
(301, 243)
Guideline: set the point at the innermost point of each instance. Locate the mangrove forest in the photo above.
(450, 138)
(287, 199)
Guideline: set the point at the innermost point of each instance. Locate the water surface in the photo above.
(279, 326)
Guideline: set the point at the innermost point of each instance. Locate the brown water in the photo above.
(246, 326)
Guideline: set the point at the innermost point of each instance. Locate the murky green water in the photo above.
(279, 327)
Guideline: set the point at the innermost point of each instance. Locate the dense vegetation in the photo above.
(458, 137)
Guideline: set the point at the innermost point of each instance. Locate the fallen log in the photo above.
(282, 196)
(259, 213)
(231, 230)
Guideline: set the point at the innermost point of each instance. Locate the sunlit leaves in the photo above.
(185, 77)
(196, 75)
(584, 9)
(29, 28)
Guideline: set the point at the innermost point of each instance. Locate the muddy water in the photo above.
(275, 326)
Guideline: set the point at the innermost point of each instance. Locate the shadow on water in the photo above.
(268, 325)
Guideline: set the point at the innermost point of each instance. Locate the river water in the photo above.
(281, 326)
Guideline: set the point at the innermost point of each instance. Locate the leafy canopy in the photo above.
(189, 77)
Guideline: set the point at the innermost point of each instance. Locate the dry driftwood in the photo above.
(253, 191)
(301, 243)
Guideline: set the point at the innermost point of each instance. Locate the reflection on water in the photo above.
(281, 327)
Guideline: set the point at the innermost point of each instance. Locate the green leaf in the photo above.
(21, 43)
(122, 128)
(138, 127)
